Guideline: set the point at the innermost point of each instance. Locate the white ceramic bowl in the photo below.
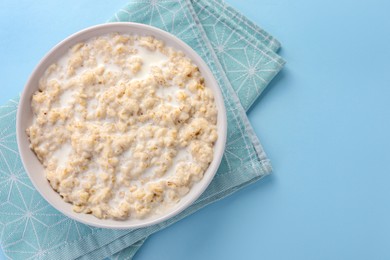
(24, 119)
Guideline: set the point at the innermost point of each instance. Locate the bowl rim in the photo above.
(218, 150)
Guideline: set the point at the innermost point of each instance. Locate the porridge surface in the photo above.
(123, 125)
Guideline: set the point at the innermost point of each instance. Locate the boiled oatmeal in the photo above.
(123, 125)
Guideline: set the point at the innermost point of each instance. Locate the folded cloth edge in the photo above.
(258, 33)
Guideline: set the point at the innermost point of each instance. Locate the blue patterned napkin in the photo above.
(243, 60)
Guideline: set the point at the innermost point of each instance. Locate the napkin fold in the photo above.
(243, 60)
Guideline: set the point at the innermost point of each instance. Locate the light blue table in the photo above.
(324, 122)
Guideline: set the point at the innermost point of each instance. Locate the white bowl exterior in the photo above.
(35, 169)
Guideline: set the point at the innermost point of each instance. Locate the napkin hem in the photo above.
(271, 41)
(259, 34)
(256, 43)
(254, 140)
